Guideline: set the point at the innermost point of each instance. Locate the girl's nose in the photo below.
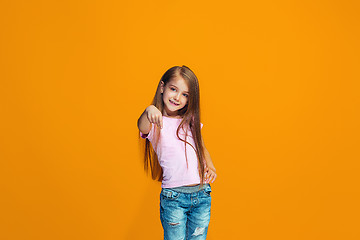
(177, 96)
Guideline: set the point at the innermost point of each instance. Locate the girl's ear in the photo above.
(162, 87)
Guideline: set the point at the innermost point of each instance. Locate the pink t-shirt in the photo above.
(171, 154)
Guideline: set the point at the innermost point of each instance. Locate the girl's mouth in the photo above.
(174, 103)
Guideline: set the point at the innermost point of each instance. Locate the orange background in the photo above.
(280, 101)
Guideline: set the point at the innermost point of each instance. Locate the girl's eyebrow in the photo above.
(177, 87)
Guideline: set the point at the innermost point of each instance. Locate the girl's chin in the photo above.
(173, 109)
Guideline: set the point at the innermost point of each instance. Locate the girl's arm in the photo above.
(210, 171)
(150, 115)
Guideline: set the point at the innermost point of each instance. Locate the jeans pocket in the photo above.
(207, 191)
(169, 194)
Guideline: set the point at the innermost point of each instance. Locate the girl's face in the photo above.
(175, 95)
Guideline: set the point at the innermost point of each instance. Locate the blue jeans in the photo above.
(185, 215)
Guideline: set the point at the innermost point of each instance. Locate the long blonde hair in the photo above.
(191, 118)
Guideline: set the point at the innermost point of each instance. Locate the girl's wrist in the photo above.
(148, 109)
(151, 107)
(211, 167)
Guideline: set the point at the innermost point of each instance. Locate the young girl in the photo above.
(178, 156)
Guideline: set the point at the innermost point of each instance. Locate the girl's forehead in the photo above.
(179, 82)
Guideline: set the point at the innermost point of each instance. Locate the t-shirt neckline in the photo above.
(172, 117)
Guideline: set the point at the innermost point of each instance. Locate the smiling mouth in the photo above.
(174, 103)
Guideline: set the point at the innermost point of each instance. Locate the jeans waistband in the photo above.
(189, 189)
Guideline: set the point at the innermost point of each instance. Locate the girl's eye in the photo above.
(172, 89)
(185, 95)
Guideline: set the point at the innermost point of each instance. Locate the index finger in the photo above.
(161, 122)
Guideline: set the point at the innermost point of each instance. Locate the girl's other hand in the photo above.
(154, 115)
(210, 175)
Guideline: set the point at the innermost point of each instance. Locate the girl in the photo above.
(178, 156)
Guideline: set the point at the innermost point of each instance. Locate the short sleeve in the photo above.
(149, 135)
